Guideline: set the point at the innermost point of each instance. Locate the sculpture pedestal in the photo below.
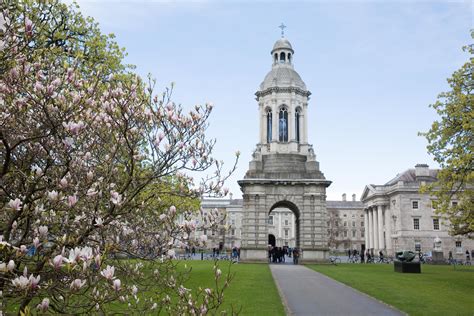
(438, 257)
(407, 267)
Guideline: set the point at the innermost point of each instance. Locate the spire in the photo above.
(282, 27)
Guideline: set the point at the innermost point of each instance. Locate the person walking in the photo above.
(296, 255)
(362, 257)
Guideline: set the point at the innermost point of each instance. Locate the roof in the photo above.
(282, 76)
(344, 204)
(282, 43)
(409, 176)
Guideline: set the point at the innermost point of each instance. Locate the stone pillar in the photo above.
(371, 230)
(388, 231)
(263, 125)
(375, 229)
(380, 227)
(275, 124)
(304, 126)
(366, 227)
(291, 124)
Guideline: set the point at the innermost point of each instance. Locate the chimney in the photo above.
(422, 170)
(353, 197)
(344, 197)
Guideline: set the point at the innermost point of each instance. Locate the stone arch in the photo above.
(288, 204)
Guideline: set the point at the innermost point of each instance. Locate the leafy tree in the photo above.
(86, 149)
(451, 142)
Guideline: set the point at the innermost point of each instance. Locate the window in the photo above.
(362, 215)
(454, 203)
(345, 233)
(416, 224)
(286, 222)
(458, 246)
(232, 221)
(353, 233)
(345, 215)
(276, 57)
(362, 233)
(269, 126)
(337, 224)
(436, 223)
(289, 57)
(270, 220)
(417, 246)
(286, 233)
(213, 233)
(345, 224)
(337, 234)
(297, 125)
(282, 57)
(233, 232)
(283, 124)
(353, 224)
(205, 232)
(414, 205)
(362, 224)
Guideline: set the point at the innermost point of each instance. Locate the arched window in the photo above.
(297, 125)
(276, 58)
(269, 126)
(283, 125)
(282, 57)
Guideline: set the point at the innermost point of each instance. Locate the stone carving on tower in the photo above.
(283, 171)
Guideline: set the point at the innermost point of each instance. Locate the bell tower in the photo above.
(283, 171)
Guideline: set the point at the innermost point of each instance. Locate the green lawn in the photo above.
(252, 288)
(438, 290)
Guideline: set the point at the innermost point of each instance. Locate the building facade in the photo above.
(398, 217)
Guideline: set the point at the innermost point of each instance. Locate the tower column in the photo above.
(263, 125)
(275, 124)
(291, 124)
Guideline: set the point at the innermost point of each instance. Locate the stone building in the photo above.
(346, 229)
(398, 217)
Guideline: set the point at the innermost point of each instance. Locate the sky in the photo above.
(373, 68)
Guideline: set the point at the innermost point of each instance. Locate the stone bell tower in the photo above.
(283, 171)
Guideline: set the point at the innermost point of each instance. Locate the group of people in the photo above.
(278, 254)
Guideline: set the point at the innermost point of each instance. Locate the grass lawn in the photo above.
(252, 288)
(438, 290)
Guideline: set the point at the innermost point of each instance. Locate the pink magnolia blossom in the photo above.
(172, 210)
(58, 261)
(99, 222)
(208, 291)
(53, 195)
(72, 200)
(117, 284)
(171, 253)
(108, 272)
(218, 273)
(36, 242)
(44, 305)
(15, 204)
(115, 197)
(43, 231)
(28, 26)
(63, 183)
(11, 265)
(203, 238)
(23, 249)
(77, 284)
(134, 290)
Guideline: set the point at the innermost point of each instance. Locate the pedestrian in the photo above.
(349, 253)
(296, 255)
(468, 257)
(193, 251)
(362, 257)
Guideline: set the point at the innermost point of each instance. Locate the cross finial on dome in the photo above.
(283, 27)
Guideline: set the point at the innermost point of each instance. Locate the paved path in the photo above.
(307, 292)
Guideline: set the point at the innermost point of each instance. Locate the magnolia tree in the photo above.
(83, 144)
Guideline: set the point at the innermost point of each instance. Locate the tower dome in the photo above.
(282, 74)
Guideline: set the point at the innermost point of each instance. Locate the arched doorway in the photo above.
(271, 240)
(284, 224)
